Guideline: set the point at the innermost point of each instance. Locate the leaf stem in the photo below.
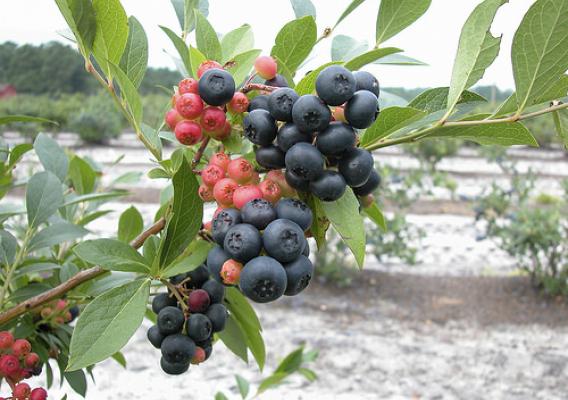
(258, 86)
(12, 268)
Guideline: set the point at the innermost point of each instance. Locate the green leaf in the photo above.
(44, 195)
(399, 59)
(107, 323)
(67, 271)
(344, 48)
(345, 218)
(243, 386)
(371, 56)
(135, 57)
(18, 152)
(303, 8)
(350, 8)
(36, 268)
(150, 249)
(233, 338)
(77, 381)
(74, 199)
(294, 43)
(241, 307)
(236, 42)
(376, 215)
(194, 256)
(187, 214)
(308, 374)
(152, 137)
(320, 223)
(112, 33)
(241, 65)
(8, 247)
(396, 15)
(390, 120)
(291, 362)
(80, 18)
(436, 99)
(181, 48)
(221, 396)
(185, 12)
(51, 156)
(128, 92)
(561, 124)
(308, 83)
(271, 382)
(8, 119)
(82, 175)
(120, 359)
(112, 255)
(55, 234)
(477, 49)
(158, 173)
(196, 58)
(88, 218)
(130, 224)
(206, 38)
(539, 52)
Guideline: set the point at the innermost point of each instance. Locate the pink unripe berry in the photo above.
(266, 67)
(239, 103)
(212, 174)
(223, 133)
(198, 356)
(207, 226)
(278, 177)
(60, 305)
(231, 272)
(188, 133)
(255, 180)
(172, 118)
(244, 194)
(175, 98)
(22, 391)
(188, 85)
(189, 105)
(6, 340)
(38, 394)
(224, 190)
(9, 365)
(270, 191)
(221, 160)
(21, 347)
(198, 301)
(241, 170)
(213, 119)
(207, 65)
(31, 360)
(339, 114)
(205, 193)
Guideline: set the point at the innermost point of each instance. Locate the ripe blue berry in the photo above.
(259, 127)
(215, 260)
(222, 222)
(296, 182)
(173, 368)
(362, 110)
(369, 187)
(216, 87)
(336, 139)
(199, 327)
(367, 81)
(243, 242)
(259, 102)
(329, 186)
(298, 273)
(170, 320)
(161, 301)
(217, 314)
(155, 337)
(259, 213)
(270, 157)
(178, 348)
(289, 135)
(296, 211)
(335, 85)
(280, 103)
(304, 161)
(283, 240)
(215, 290)
(277, 81)
(263, 279)
(310, 114)
(356, 166)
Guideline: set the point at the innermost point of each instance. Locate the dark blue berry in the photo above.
(217, 314)
(199, 327)
(170, 320)
(305, 161)
(263, 279)
(155, 337)
(298, 273)
(356, 166)
(259, 213)
(161, 301)
(296, 182)
(310, 114)
(270, 157)
(280, 103)
(283, 240)
(289, 135)
(362, 110)
(330, 186)
(173, 368)
(215, 260)
(367, 81)
(258, 102)
(335, 85)
(369, 187)
(222, 222)
(277, 81)
(259, 127)
(177, 348)
(216, 87)
(243, 242)
(215, 290)
(336, 139)
(296, 211)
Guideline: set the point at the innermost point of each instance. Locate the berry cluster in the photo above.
(56, 313)
(262, 248)
(17, 362)
(315, 145)
(184, 330)
(199, 105)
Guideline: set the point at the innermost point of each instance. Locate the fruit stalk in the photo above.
(258, 86)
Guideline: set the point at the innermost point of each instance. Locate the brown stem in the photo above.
(200, 152)
(258, 86)
(75, 281)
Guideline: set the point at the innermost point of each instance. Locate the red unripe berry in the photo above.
(6, 340)
(212, 174)
(175, 98)
(223, 133)
(241, 170)
(188, 133)
(172, 118)
(38, 394)
(21, 347)
(207, 226)
(244, 194)
(9, 365)
(270, 191)
(239, 103)
(58, 320)
(367, 201)
(198, 301)
(224, 190)
(206, 65)
(22, 391)
(277, 177)
(217, 211)
(221, 160)
(255, 180)
(31, 360)
(60, 305)
(68, 317)
(266, 67)
(46, 312)
(188, 85)
(213, 119)
(205, 193)
(189, 105)
(338, 114)
(231, 272)
(199, 356)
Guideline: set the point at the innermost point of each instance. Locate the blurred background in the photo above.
(464, 297)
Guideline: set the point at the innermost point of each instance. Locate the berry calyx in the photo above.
(266, 67)
(223, 191)
(207, 65)
(244, 194)
(212, 174)
(231, 272)
(188, 133)
(189, 105)
(239, 103)
(213, 119)
(188, 85)
(240, 170)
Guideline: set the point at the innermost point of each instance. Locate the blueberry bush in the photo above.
(284, 156)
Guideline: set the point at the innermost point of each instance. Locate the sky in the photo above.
(433, 39)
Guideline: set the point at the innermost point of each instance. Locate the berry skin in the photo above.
(213, 119)
(155, 337)
(270, 157)
(367, 81)
(306, 251)
(224, 190)
(173, 368)
(6, 340)
(296, 182)
(330, 186)
(231, 272)
(246, 193)
(304, 161)
(277, 81)
(296, 211)
(266, 67)
(199, 356)
(356, 167)
(31, 360)
(221, 160)
(336, 139)
(205, 193)
(174, 99)
(199, 327)
(335, 85)
(74, 312)
(172, 118)
(289, 135)
(362, 110)
(170, 320)
(188, 85)
(338, 114)
(222, 222)
(243, 242)
(258, 213)
(9, 365)
(258, 102)
(197, 277)
(239, 103)
(22, 391)
(283, 240)
(206, 66)
(198, 301)
(280, 103)
(189, 105)
(299, 273)
(212, 174)
(178, 348)
(270, 190)
(38, 394)
(162, 301)
(21, 347)
(278, 178)
(240, 170)
(259, 127)
(216, 87)
(369, 187)
(188, 133)
(215, 260)
(263, 279)
(217, 314)
(310, 114)
(215, 290)
(223, 133)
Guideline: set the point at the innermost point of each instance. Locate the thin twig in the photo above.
(258, 86)
(200, 152)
